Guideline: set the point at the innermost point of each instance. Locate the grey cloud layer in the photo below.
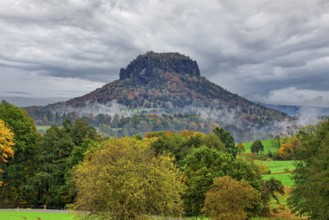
(256, 48)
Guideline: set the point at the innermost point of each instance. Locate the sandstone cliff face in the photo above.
(148, 65)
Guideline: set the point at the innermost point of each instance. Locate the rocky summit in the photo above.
(150, 64)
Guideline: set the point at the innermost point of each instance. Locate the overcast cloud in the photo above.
(267, 51)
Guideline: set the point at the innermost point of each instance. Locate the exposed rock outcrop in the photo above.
(147, 65)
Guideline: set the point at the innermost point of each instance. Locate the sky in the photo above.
(266, 51)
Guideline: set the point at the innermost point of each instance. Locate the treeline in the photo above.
(38, 174)
(119, 125)
(143, 121)
(161, 173)
(70, 162)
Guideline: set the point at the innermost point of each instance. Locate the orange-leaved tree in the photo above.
(6, 143)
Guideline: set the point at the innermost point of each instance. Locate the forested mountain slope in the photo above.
(163, 91)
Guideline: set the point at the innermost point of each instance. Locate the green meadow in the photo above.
(34, 215)
(41, 215)
(285, 178)
(276, 166)
(268, 146)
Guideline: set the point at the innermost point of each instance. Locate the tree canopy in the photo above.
(6, 143)
(230, 199)
(180, 144)
(311, 192)
(19, 168)
(202, 165)
(227, 139)
(257, 147)
(124, 179)
(59, 150)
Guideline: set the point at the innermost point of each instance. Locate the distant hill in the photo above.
(164, 91)
(296, 110)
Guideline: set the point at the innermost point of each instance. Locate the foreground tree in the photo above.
(58, 151)
(123, 179)
(311, 192)
(203, 165)
(230, 199)
(6, 144)
(22, 166)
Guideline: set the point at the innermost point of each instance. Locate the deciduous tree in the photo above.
(6, 144)
(19, 168)
(202, 165)
(271, 188)
(227, 139)
(311, 192)
(124, 179)
(257, 146)
(288, 150)
(230, 199)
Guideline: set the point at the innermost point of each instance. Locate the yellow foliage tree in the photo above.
(230, 199)
(124, 179)
(288, 150)
(6, 144)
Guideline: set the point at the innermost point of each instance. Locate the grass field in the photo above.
(276, 166)
(280, 170)
(285, 178)
(40, 215)
(33, 215)
(268, 146)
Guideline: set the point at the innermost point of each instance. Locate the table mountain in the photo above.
(163, 91)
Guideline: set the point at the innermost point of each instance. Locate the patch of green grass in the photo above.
(33, 215)
(276, 166)
(268, 146)
(285, 178)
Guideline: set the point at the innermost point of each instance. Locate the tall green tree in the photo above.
(228, 140)
(54, 147)
(59, 150)
(311, 192)
(204, 164)
(22, 166)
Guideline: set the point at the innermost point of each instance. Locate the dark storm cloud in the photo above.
(257, 48)
(16, 92)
